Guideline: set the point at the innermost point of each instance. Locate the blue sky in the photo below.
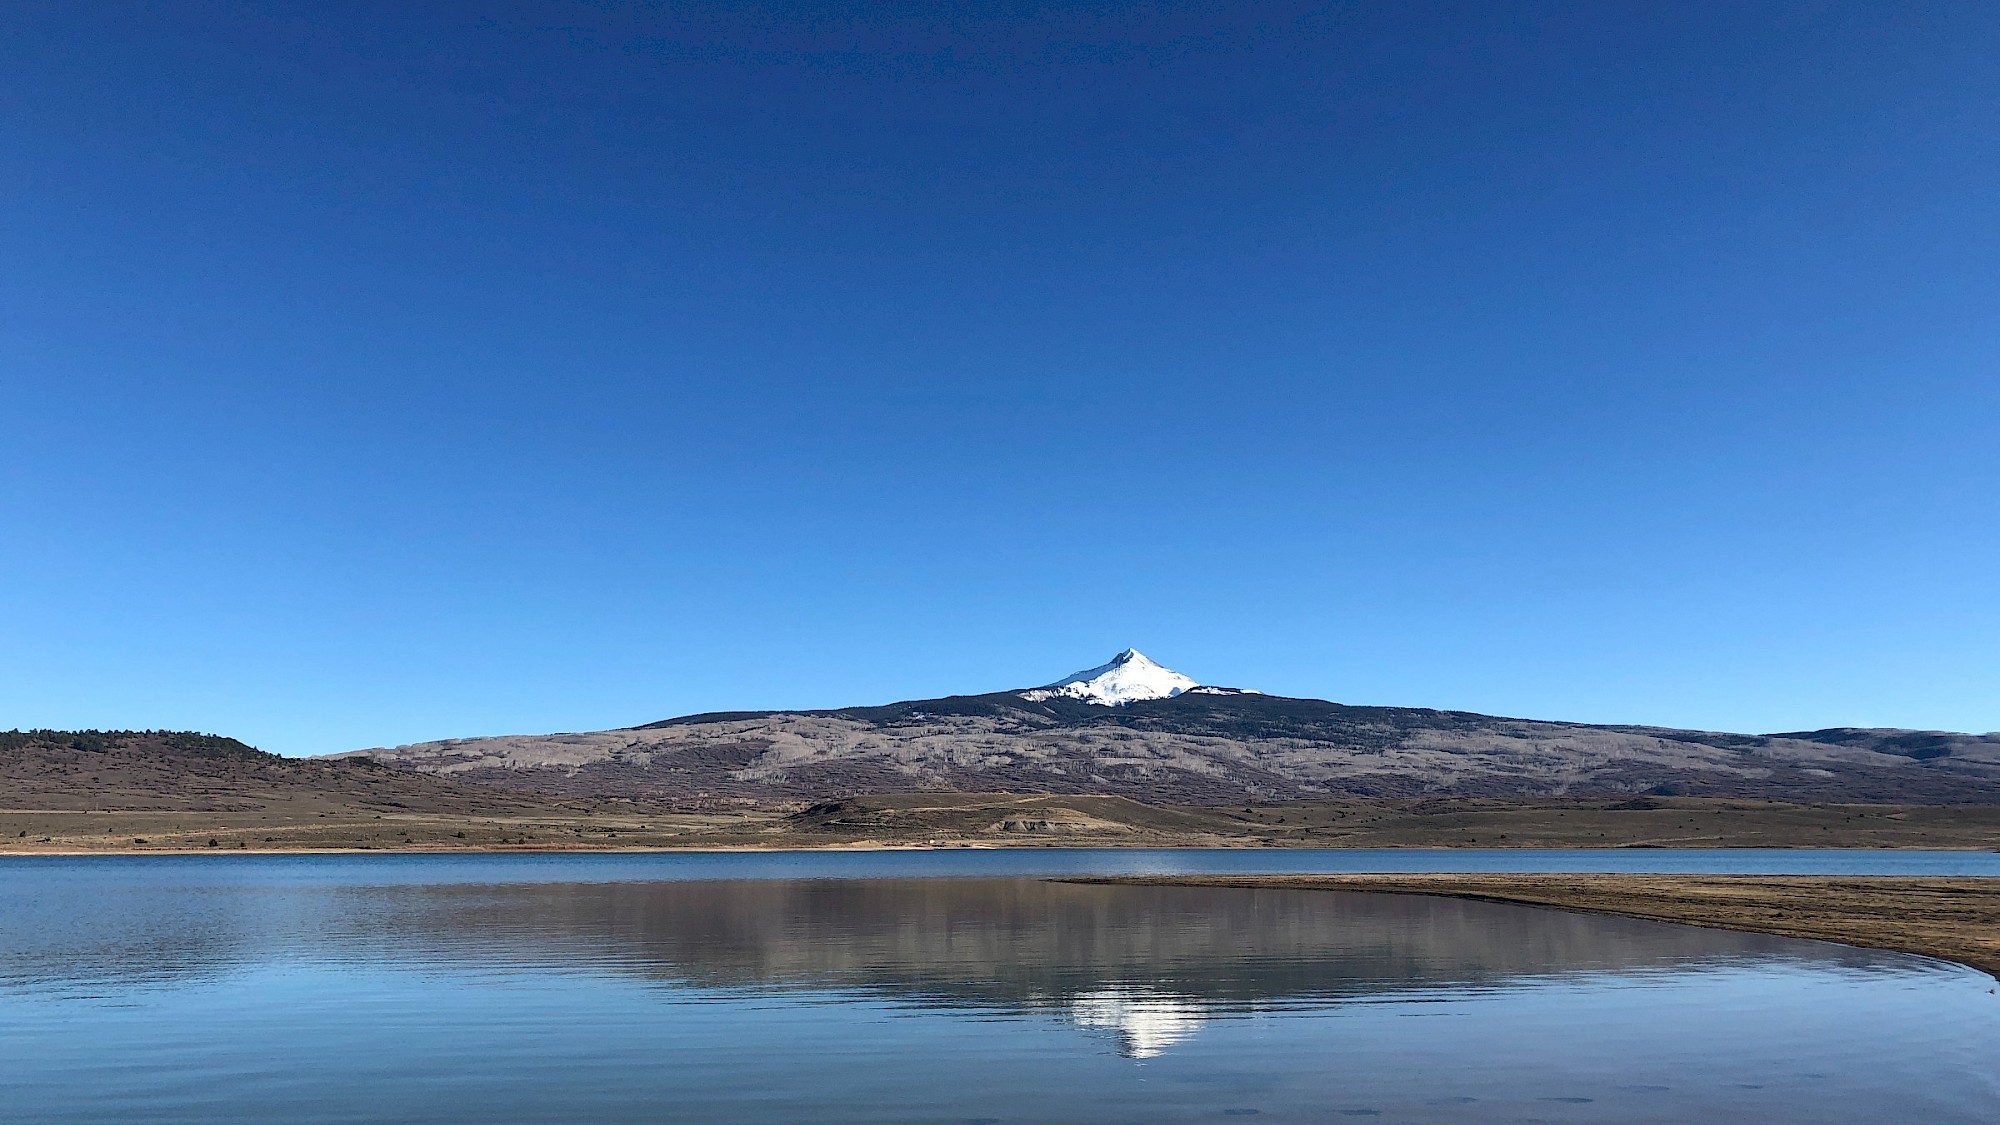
(375, 375)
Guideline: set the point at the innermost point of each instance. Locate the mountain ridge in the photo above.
(166, 791)
(1211, 746)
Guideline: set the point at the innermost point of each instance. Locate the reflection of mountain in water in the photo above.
(1145, 963)
(1146, 1024)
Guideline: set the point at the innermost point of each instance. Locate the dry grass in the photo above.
(393, 810)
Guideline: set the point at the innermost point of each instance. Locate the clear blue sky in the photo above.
(373, 375)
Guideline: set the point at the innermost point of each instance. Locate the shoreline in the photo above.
(1955, 918)
(346, 822)
(696, 849)
(995, 845)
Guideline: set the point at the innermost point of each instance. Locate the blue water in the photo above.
(943, 987)
(390, 868)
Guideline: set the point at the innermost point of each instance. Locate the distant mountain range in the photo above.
(1135, 729)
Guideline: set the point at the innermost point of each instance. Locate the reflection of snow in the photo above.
(1146, 1023)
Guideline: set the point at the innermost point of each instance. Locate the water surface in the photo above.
(509, 989)
(113, 871)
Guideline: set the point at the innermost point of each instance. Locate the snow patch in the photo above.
(1128, 678)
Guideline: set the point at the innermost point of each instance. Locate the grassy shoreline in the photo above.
(966, 845)
(238, 819)
(1954, 919)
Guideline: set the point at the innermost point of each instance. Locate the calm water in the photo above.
(762, 988)
(117, 871)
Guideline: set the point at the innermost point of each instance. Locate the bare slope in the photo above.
(1623, 822)
(132, 771)
(1206, 747)
(174, 790)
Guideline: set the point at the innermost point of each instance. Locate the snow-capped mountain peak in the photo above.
(1129, 677)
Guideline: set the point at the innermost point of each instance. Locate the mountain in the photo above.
(1135, 729)
(1128, 678)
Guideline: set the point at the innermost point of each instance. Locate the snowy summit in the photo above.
(1129, 677)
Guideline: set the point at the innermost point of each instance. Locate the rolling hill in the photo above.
(1132, 729)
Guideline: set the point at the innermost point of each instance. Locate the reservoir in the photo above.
(956, 986)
